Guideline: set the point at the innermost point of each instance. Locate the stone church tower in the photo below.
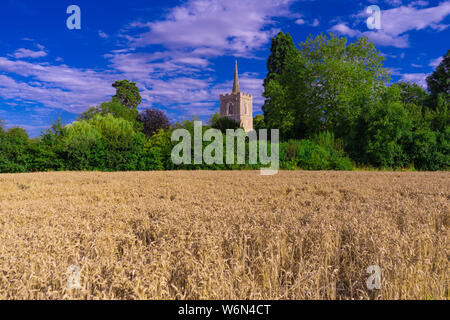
(238, 105)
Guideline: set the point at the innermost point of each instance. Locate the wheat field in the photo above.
(224, 235)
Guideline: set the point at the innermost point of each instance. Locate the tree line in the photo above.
(331, 100)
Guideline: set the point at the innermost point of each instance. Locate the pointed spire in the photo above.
(236, 88)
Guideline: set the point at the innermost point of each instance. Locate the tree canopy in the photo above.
(328, 84)
(439, 81)
(153, 120)
(127, 93)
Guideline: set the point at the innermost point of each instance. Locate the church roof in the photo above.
(236, 88)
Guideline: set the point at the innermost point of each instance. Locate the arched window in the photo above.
(230, 108)
(246, 108)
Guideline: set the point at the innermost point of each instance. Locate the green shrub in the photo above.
(430, 149)
(380, 136)
(320, 153)
(104, 143)
(224, 123)
(14, 150)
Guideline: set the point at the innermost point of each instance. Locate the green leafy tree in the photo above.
(83, 147)
(104, 143)
(122, 145)
(439, 119)
(214, 119)
(429, 147)
(127, 93)
(15, 153)
(320, 153)
(382, 132)
(439, 81)
(158, 151)
(430, 150)
(224, 123)
(258, 122)
(326, 87)
(48, 150)
(116, 109)
(411, 93)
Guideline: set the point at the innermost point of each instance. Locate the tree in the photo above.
(412, 93)
(326, 87)
(48, 149)
(104, 143)
(429, 147)
(439, 119)
(214, 119)
(224, 123)
(127, 93)
(83, 147)
(258, 122)
(381, 132)
(439, 81)
(14, 150)
(282, 50)
(123, 105)
(414, 99)
(116, 109)
(153, 120)
(430, 150)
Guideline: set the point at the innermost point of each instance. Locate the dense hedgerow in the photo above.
(107, 143)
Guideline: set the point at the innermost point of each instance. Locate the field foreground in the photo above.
(224, 235)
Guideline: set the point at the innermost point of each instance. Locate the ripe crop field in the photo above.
(224, 235)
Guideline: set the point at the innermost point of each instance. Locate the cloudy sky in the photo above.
(181, 53)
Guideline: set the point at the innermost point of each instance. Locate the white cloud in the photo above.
(235, 27)
(435, 62)
(102, 34)
(180, 76)
(193, 34)
(397, 22)
(315, 23)
(384, 39)
(26, 53)
(419, 78)
(403, 19)
(394, 3)
(419, 3)
(344, 29)
(61, 87)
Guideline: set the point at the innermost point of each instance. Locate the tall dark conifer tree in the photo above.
(439, 81)
(282, 51)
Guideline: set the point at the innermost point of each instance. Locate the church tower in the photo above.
(237, 105)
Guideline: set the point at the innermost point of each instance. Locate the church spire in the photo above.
(236, 88)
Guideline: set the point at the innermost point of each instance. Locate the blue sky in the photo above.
(181, 53)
